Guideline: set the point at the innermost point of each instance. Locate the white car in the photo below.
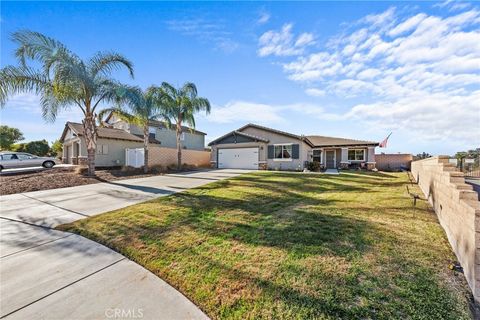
(10, 160)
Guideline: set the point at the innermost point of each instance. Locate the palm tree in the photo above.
(180, 107)
(63, 80)
(143, 107)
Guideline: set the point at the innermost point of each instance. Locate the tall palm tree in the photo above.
(63, 80)
(143, 107)
(180, 105)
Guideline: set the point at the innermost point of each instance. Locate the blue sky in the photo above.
(347, 69)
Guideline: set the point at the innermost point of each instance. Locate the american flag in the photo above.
(383, 144)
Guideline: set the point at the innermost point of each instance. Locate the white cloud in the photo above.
(264, 18)
(25, 102)
(283, 42)
(268, 114)
(243, 111)
(407, 25)
(452, 5)
(419, 72)
(315, 92)
(206, 31)
(432, 117)
(29, 104)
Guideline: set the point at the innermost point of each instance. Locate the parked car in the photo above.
(10, 160)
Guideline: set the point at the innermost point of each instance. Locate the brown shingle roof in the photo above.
(106, 133)
(271, 130)
(322, 141)
(238, 133)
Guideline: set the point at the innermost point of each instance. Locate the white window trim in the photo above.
(363, 150)
(182, 136)
(282, 159)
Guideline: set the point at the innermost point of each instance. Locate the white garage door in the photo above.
(240, 158)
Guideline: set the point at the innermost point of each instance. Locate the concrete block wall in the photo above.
(393, 161)
(168, 156)
(458, 210)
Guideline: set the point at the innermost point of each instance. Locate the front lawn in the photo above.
(287, 245)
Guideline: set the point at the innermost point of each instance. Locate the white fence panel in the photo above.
(134, 157)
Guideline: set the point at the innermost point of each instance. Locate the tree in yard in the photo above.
(180, 106)
(9, 136)
(38, 148)
(423, 155)
(143, 107)
(57, 148)
(63, 80)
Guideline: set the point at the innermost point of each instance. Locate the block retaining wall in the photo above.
(458, 210)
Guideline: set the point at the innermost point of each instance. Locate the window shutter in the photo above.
(270, 152)
(105, 149)
(295, 151)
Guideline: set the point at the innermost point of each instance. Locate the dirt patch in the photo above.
(60, 178)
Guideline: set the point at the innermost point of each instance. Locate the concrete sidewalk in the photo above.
(49, 274)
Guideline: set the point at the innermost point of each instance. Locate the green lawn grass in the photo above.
(294, 246)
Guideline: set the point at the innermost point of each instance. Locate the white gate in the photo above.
(134, 157)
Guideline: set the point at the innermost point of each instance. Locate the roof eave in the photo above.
(239, 133)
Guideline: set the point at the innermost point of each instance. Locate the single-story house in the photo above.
(257, 147)
(116, 135)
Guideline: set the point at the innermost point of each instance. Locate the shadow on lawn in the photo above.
(265, 211)
(265, 214)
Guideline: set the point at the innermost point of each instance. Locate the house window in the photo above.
(152, 130)
(283, 152)
(356, 155)
(182, 136)
(102, 149)
(317, 156)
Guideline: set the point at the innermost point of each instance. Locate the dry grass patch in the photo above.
(294, 246)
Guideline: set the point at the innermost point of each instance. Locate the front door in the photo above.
(330, 161)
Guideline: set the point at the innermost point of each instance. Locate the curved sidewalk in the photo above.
(50, 274)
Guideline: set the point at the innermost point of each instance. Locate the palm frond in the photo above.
(201, 104)
(14, 80)
(189, 89)
(46, 50)
(106, 62)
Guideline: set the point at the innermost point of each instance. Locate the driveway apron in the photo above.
(50, 274)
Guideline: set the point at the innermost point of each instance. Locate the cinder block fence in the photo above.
(168, 156)
(458, 210)
(395, 161)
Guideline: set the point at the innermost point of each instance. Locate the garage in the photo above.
(238, 158)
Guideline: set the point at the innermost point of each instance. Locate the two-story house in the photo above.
(116, 135)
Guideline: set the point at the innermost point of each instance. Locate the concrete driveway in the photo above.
(49, 274)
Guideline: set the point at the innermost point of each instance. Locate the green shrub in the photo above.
(38, 148)
(313, 166)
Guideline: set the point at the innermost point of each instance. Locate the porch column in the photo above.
(371, 158)
(344, 159)
(371, 155)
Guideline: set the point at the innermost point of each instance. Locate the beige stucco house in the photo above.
(257, 147)
(115, 136)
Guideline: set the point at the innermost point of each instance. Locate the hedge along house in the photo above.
(257, 147)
